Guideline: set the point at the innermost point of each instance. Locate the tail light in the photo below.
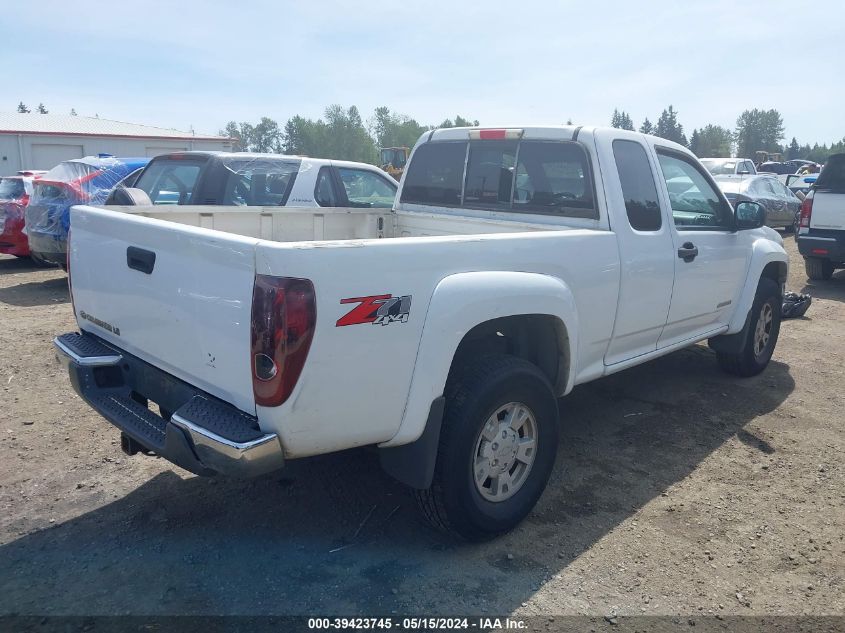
(806, 213)
(24, 200)
(284, 315)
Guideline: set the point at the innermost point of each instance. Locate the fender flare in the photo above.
(459, 303)
(764, 251)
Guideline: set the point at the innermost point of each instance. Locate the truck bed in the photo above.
(303, 224)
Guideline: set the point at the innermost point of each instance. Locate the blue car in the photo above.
(80, 181)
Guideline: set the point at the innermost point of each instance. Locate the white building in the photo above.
(42, 141)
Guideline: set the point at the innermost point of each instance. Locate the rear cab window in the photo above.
(832, 177)
(523, 176)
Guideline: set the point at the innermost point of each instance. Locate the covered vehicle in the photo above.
(782, 206)
(15, 194)
(80, 181)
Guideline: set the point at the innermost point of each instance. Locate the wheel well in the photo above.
(540, 339)
(775, 271)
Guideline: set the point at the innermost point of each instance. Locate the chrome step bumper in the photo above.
(194, 430)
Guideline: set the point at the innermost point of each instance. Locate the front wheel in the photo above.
(763, 328)
(497, 448)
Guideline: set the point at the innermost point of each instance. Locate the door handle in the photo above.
(688, 252)
(140, 259)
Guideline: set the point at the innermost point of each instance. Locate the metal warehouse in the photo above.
(41, 141)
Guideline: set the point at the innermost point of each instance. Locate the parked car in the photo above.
(821, 231)
(241, 179)
(515, 264)
(780, 169)
(798, 183)
(15, 194)
(781, 204)
(78, 181)
(729, 166)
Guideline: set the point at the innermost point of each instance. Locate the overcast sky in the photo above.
(201, 64)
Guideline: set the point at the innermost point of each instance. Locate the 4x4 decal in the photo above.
(377, 309)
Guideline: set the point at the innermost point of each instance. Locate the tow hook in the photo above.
(130, 446)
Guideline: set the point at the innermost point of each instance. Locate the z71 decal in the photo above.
(378, 309)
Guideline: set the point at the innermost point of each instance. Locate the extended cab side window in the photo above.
(696, 204)
(553, 177)
(324, 191)
(435, 174)
(638, 187)
(367, 189)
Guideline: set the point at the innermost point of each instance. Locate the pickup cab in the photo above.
(821, 226)
(516, 264)
(255, 180)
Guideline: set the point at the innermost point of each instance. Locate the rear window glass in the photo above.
(435, 174)
(554, 178)
(259, 181)
(489, 178)
(833, 174)
(638, 188)
(170, 181)
(11, 189)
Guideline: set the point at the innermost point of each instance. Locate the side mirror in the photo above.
(750, 215)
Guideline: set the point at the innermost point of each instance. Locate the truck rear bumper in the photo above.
(193, 430)
(828, 246)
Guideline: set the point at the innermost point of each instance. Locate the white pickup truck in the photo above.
(515, 264)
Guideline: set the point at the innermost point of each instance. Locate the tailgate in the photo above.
(828, 210)
(189, 316)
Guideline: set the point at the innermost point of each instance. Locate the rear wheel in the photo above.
(498, 444)
(818, 269)
(762, 336)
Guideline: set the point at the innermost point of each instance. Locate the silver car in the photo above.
(782, 206)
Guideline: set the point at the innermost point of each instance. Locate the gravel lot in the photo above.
(678, 490)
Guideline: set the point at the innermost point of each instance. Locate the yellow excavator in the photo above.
(765, 157)
(393, 159)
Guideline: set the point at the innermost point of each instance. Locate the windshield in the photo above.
(395, 157)
(11, 189)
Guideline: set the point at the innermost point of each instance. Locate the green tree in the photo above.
(794, 150)
(669, 128)
(73, 112)
(459, 122)
(41, 109)
(647, 127)
(758, 130)
(22, 108)
(711, 140)
(621, 120)
(394, 130)
(266, 137)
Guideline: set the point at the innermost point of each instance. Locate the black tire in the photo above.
(818, 269)
(453, 503)
(748, 361)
